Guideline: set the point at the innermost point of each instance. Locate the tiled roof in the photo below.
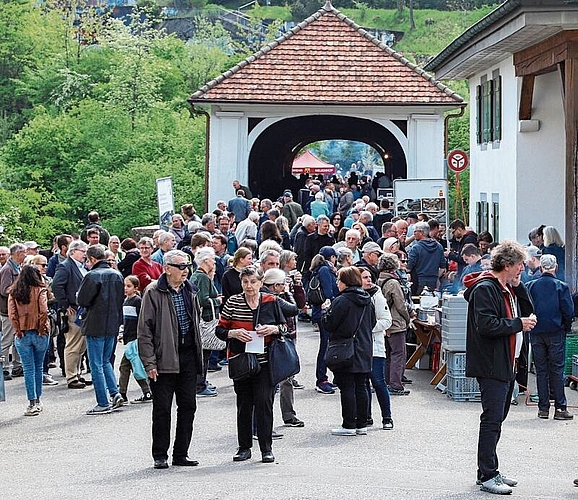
(327, 59)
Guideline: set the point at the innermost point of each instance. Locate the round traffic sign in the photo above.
(458, 160)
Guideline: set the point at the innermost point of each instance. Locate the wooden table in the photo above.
(426, 334)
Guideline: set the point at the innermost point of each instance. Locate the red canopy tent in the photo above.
(308, 163)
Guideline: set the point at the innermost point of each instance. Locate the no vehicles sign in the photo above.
(458, 161)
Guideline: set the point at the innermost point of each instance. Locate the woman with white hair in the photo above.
(210, 303)
(319, 206)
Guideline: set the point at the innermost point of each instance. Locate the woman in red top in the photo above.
(146, 269)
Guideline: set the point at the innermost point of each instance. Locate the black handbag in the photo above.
(283, 359)
(315, 295)
(340, 352)
(243, 366)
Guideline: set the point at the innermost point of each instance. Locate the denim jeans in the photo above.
(32, 348)
(99, 351)
(549, 352)
(496, 399)
(320, 366)
(377, 377)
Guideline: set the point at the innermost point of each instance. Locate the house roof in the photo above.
(512, 26)
(327, 59)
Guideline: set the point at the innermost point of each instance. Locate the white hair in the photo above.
(203, 254)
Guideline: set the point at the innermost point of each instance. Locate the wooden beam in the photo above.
(544, 56)
(571, 125)
(526, 95)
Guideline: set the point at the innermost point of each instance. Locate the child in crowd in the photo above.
(131, 310)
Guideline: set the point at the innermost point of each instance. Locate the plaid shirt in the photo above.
(182, 315)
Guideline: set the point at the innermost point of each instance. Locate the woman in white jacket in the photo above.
(377, 375)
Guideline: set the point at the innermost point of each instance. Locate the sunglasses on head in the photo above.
(182, 266)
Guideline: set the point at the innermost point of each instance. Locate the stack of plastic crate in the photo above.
(459, 387)
(454, 321)
(571, 349)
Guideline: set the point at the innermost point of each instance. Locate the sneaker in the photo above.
(223, 362)
(31, 411)
(361, 432)
(276, 435)
(207, 393)
(388, 424)
(145, 398)
(211, 386)
(17, 372)
(369, 422)
(7, 375)
(333, 385)
(48, 380)
(563, 415)
(214, 368)
(506, 480)
(543, 414)
(405, 380)
(325, 388)
(576, 482)
(343, 432)
(315, 327)
(117, 401)
(398, 392)
(52, 365)
(496, 485)
(294, 422)
(99, 410)
(297, 385)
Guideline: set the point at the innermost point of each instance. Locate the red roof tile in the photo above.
(327, 59)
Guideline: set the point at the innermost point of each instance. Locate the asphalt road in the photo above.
(431, 453)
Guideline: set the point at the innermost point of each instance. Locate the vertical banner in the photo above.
(165, 202)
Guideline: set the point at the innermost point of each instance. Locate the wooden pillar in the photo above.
(571, 124)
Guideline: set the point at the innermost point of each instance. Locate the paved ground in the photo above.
(64, 454)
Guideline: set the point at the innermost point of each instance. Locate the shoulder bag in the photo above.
(283, 357)
(340, 352)
(209, 340)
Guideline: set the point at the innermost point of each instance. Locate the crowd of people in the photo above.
(196, 294)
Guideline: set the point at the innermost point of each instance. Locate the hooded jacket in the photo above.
(426, 257)
(491, 327)
(352, 313)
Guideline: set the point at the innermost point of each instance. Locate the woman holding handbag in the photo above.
(350, 321)
(28, 313)
(210, 302)
(256, 312)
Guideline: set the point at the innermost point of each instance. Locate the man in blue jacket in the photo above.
(426, 259)
(554, 310)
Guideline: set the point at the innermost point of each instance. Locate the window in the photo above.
(489, 109)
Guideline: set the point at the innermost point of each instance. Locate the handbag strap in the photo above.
(360, 321)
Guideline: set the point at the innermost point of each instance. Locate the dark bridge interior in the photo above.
(275, 149)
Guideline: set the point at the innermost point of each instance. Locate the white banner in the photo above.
(165, 202)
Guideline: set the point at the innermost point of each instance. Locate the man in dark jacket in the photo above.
(460, 238)
(170, 348)
(94, 222)
(315, 242)
(371, 252)
(426, 259)
(494, 332)
(554, 310)
(101, 294)
(66, 283)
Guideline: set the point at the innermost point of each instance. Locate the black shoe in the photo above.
(7, 376)
(17, 372)
(369, 422)
(304, 317)
(161, 463)
(185, 462)
(267, 457)
(242, 455)
(276, 435)
(76, 384)
(405, 380)
(398, 392)
(294, 422)
(84, 381)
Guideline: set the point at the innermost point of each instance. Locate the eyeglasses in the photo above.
(403, 260)
(43, 265)
(182, 266)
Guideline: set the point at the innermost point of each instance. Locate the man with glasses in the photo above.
(171, 351)
(145, 268)
(371, 253)
(65, 285)
(8, 275)
(101, 293)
